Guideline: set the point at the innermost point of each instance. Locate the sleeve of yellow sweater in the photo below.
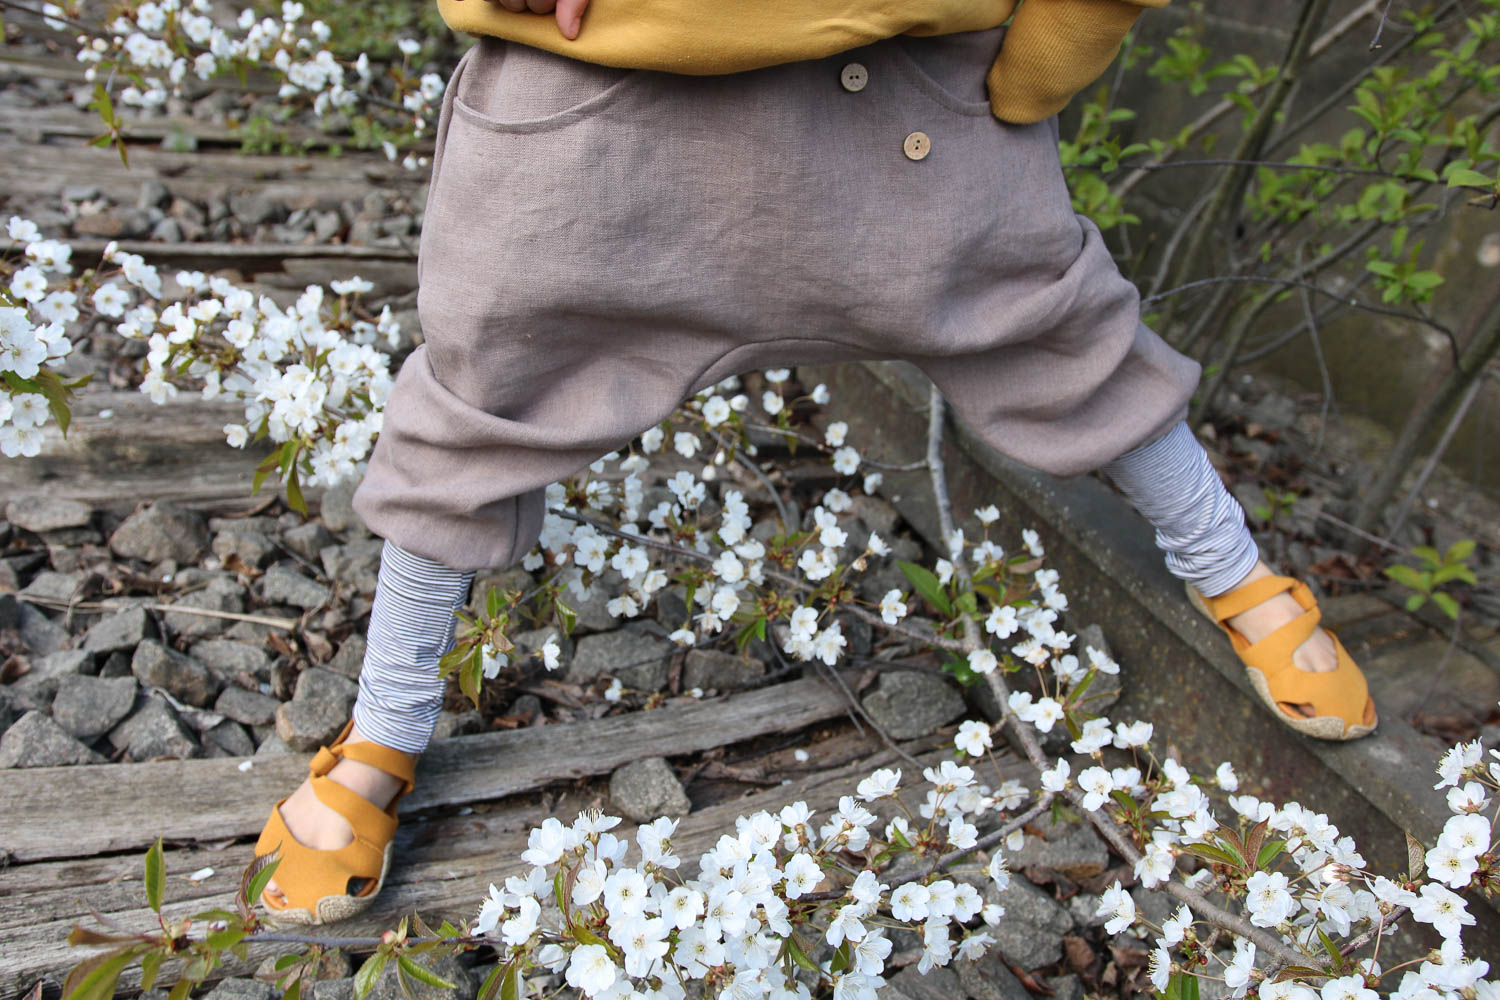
(1054, 49)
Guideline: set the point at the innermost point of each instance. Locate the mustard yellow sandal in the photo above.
(315, 884)
(1343, 709)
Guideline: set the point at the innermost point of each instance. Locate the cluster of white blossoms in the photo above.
(34, 318)
(777, 906)
(310, 376)
(162, 41)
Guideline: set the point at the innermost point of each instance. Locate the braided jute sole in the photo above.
(334, 908)
(1323, 727)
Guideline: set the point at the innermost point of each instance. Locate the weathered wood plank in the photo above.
(450, 888)
(213, 799)
(27, 170)
(122, 448)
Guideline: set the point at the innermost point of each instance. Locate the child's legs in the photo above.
(1199, 526)
(411, 627)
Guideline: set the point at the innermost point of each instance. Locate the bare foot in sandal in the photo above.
(315, 825)
(1315, 656)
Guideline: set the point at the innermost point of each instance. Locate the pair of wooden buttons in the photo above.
(854, 77)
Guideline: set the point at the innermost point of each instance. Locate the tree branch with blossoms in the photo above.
(783, 902)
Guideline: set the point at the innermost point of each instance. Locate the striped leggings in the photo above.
(1199, 527)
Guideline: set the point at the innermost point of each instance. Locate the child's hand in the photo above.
(569, 12)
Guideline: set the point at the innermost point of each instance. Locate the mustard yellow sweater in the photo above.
(1054, 48)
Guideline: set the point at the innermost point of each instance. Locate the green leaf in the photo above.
(1189, 987)
(1447, 603)
(841, 959)
(492, 602)
(510, 987)
(150, 962)
(1469, 178)
(1215, 854)
(286, 962)
(256, 877)
(800, 957)
(96, 978)
(1268, 852)
(294, 991)
(294, 492)
(422, 974)
(1459, 551)
(926, 584)
(492, 982)
(227, 938)
(364, 979)
(1415, 601)
(156, 878)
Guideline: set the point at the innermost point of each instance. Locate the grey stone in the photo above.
(252, 547)
(48, 585)
(161, 531)
(593, 613)
(80, 192)
(1274, 412)
(1105, 690)
(530, 643)
(63, 663)
(987, 978)
(912, 703)
(176, 673)
(229, 657)
(252, 209)
(121, 631)
(153, 731)
(327, 225)
(356, 564)
(712, 669)
(153, 194)
(1154, 906)
(334, 989)
(1031, 932)
(645, 789)
(41, 514)
(222, 594)
(307, 725)
(450, 724)
(8, 713)
(89, 707)
(34, 740)
(287, 586)
(940, 983)
(230, 737)
(307, 540)
(671, 608)
(528, 705)
(338, 513)
(316, 684)
(167, 231)
(1068, 987)
(261, 523)
(116, 665)
(250, 707)
(504, 580)
(241, 989)
(1073, 849)
(878, 515)
(350, 658)
(10, 609)
(389, 987)
(272, 743)
(637, 654)
(61, 537)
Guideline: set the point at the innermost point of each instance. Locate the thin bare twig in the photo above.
(61, 605)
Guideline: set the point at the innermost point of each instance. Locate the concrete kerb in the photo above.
(1180, 673)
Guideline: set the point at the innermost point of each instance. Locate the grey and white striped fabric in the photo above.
(1199, 526)
(411, 627)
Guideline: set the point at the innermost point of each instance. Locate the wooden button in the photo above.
(854, 77)
(917, 146)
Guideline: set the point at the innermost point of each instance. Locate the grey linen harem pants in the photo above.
(600, 244)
